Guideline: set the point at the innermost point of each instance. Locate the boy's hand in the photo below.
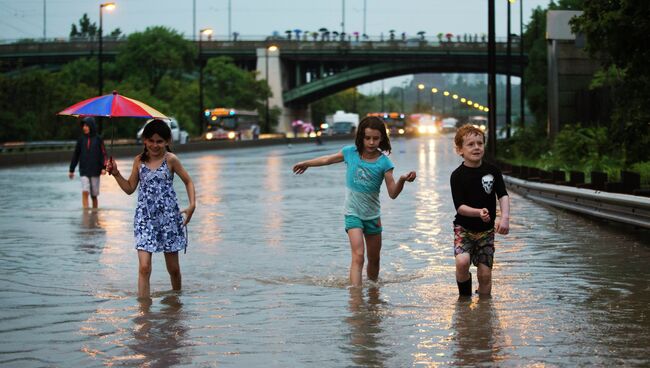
(71, 175)
(299, 168)
(503, 227)
(409, 177)
(485, 215)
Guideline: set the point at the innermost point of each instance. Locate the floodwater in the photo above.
(264, 278)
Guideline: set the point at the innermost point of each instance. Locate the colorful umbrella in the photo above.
(113, 105)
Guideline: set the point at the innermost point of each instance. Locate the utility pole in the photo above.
(522, 121)
(492, 91)
(508, 84)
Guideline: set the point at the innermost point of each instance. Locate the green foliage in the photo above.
(149, 56)
(86, 28)
(616, 32)
(643, 168)
(226, 85)
(585, 148)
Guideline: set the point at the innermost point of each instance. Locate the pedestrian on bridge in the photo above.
(159, 225)
(90, 154)
(368, 166)
(475, 188)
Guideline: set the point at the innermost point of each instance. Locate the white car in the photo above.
(178, 136)
(449, 125)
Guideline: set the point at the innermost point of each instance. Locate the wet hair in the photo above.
(372, 122)
(467, 129)
(159, 127)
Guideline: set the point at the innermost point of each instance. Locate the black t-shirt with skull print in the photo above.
(477, 188)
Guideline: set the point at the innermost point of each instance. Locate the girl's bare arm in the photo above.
(301, 167)
(128, 185)
(178, 168)
(394, 189)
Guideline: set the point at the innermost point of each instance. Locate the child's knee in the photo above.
(462, 262)
(145, 270)
(358, 258)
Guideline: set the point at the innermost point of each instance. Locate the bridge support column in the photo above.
(269, 68)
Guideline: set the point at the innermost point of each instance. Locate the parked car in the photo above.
(178, 136)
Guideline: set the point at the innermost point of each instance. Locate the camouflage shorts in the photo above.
(479, 245)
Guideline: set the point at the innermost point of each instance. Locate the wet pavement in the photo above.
(264, 279)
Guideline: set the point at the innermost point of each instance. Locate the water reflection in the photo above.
(365, 328)
(159, 336)
(91, 231)
(478, 335)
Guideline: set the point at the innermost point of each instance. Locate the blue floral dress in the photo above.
(158, 223)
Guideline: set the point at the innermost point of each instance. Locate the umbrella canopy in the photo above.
(113, 105)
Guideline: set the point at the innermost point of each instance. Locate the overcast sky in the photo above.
(24, 18)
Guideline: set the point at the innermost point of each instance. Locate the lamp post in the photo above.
(444, 102)
(434, 90)
(100, 56)
(207, 32)
(267, 120)
(522, 120)
(420, 88)
(100, 74)
(508, 84)
(492, 83)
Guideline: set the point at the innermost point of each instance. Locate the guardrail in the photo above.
(624, 208)
(36, 146)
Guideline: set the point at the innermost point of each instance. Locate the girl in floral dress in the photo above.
(159, 225)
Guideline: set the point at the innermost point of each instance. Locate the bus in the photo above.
(395, 122)
(231, 124)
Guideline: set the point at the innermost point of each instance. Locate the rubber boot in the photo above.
(465, 287)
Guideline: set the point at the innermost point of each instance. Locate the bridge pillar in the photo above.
(269, 67)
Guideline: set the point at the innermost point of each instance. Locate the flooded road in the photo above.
(264, 278)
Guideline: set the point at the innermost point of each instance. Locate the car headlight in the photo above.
(401, 131)
(431, 129)
(422, 129)
(209, 136)
(231, 135)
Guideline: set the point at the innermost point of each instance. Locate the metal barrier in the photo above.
(36, 146)
(629, 209)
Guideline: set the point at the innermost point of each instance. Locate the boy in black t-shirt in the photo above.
(475, 187)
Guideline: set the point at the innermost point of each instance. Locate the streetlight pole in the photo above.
(207, 32)
(434, 90)
(100, 55)
(100, 74)
(420, 88)
(508, 84)
(492, 92)
(522, 120)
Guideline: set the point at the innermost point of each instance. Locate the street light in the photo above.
(100, 75)
(267, 121)
(100, 71)
(207, 32)
(420, 88)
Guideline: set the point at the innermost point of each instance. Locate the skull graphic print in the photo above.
(488, 182)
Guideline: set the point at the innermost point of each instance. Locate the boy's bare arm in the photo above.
(468, 211)
(301, 167)
(503, 227)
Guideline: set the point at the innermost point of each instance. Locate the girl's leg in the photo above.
(174, 269)
(373, 244)
(356, 247)
(484, 279)
(94, 199)
(144, 273)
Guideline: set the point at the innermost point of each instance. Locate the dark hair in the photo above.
(372, 122)
(159, 127)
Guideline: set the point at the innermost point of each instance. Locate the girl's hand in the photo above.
(189, 211)
(485, 215)
(299, 168)
(111, 167)
(408, 177)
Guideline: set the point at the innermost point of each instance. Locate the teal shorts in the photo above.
(369, 227)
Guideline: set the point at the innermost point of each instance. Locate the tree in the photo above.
(86, 28)
(149, 56)
(615, 32)
(226, 85)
